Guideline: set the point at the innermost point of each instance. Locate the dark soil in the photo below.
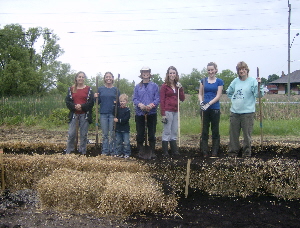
(197, 210)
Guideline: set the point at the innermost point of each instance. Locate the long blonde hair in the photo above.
(74, 90)
(167, 80)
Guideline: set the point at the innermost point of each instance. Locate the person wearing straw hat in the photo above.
(210, 92)
(107, 99)
(243, 92)
(80, 102)
(146, 101)
(169, 110)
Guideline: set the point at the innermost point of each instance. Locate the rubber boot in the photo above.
(140, 147)
(165, 148)
(174, 148)
(215, 147)
(204, 148)
(152, 146)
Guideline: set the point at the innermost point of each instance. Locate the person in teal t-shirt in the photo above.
(210, 92)
(243, 92)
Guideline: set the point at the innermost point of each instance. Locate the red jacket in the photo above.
(169, 99)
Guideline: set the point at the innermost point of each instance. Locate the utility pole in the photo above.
(289, 52)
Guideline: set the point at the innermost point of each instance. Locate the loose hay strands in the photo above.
(24, 171)
(128, 193)
(70, 190)
(237, 177)
(120, 193)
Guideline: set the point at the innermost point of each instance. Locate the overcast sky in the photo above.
(107, 35)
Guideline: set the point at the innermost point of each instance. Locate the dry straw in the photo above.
(128, 193)
(24, 171)
(70, 190)
(119, 193)
(102, 185)
(245, 177)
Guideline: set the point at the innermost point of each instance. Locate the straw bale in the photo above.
(245, 177)
(283, 177)
(71, 190)
(128, 193)
(32, 147)
(24, 171)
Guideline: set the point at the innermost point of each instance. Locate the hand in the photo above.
(149, 107)
(164, 120)
(204, 107)
(96, 95)
(78, 107)
(116, 120)
(178, 84)
(258, 79)
(142, 106)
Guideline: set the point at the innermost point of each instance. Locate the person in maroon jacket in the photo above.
(169, 110)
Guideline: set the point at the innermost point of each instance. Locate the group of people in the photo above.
(147, 96)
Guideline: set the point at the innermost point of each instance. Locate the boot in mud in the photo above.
(164, 145)
(140, 147)
(152, 146)
(174, 148)
(215, 147)
(204, 147)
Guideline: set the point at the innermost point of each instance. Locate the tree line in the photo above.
(29, 69)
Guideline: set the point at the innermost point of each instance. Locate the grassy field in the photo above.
(279, 117)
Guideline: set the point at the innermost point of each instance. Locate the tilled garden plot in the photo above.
(199, 209)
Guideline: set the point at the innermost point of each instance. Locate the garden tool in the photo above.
(145, 151)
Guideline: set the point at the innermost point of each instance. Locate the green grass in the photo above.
(50, 112)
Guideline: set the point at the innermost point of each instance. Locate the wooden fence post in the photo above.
(2, 170)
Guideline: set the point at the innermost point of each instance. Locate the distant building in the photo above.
(272, 89)
(282, 82)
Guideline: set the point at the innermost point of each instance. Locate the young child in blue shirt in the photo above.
(122, 128)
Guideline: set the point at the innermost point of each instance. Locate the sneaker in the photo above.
(126, 156)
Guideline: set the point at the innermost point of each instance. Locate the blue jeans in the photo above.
(108, 139)
(123, 143)
(84, 127)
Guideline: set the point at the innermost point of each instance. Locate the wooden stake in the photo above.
(260, 111)
(97, 116)
(179, 121)
(187, 178)
(2, 170)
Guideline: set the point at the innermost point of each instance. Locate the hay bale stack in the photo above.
(70, 190)
(128, 193)
(24, 171)
(118, 193)
(245, 177)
